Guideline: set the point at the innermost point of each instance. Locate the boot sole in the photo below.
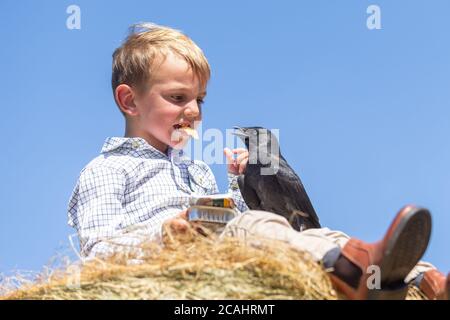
(404, 249)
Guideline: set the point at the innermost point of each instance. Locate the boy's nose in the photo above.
(192, 111)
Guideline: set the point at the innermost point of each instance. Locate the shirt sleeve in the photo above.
(96, 212)
(233, 188)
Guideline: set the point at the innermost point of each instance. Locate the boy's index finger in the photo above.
(241, 157)
(228, 154)
(239, 150)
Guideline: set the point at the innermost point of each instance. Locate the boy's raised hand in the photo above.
(236, 165)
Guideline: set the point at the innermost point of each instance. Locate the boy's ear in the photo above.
(125, 97)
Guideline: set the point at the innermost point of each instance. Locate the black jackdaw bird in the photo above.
(270, 184)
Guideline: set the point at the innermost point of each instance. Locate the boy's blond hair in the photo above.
(135, 60)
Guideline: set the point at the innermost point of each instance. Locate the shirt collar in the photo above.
(137, 144)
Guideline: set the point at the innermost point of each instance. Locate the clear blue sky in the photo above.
(364, 115)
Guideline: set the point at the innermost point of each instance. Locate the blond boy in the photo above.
(141, 183)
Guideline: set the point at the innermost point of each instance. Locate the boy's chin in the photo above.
(179, 139)
(180, 144)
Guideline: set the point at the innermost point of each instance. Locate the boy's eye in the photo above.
(177, 98)
(180, 98)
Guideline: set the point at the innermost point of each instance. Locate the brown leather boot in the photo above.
(435, 285)
(396, 254)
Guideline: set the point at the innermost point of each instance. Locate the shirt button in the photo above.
(135, 144)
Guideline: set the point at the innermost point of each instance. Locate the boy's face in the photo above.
(174, 99)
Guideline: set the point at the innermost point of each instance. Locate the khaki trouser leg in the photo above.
(317, 242)
(268, 225)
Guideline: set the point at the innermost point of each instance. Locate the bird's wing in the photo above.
(292, 187)
(249, 194)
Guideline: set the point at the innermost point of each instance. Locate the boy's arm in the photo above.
(96, 211)
(233, 188)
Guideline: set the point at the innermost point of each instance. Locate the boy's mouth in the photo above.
(186, 128)
(181, 125)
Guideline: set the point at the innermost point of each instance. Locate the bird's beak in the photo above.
(238, 131)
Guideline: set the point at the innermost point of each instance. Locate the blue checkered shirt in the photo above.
(123, 196)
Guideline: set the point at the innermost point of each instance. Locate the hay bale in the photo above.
(200, 269)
